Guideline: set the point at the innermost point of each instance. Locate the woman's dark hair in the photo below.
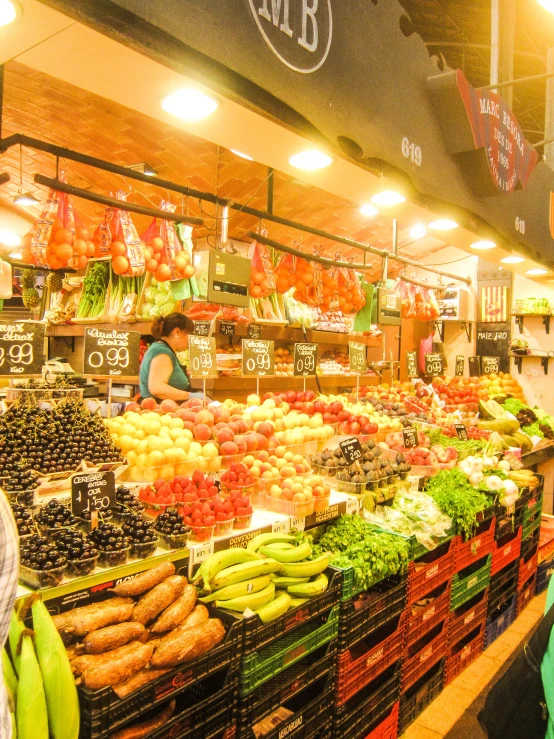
(162, 327)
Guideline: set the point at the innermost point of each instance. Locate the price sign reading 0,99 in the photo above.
(21, 348)
(111, 352)
(257, 358)
(202, 359)
(305, 359)
(433, 365)
(358, 357)
(490, 365)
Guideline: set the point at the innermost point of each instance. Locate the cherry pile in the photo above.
(55, 515)
(40, 554)
(108, 537)
(21, 479)
(126, 502)
(23, 519)
(138, 530)
(171, 522)
(74, 545)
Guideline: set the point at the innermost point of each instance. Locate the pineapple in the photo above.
(54, 282)
(31, 298)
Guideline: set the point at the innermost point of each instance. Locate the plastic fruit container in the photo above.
(86, 526)
(222, 528)
(289, 507)
(226, 488)
(142, 549)
(243, 522)
(41, 579)
(81, 567)
(321, 503)
(23, 497)
(201, 533)
(113, 558)
(205, 494)
(173, 541)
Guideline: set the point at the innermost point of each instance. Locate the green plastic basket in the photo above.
(465, 587)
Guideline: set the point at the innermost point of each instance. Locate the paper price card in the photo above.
(490, 365)
(461, 431)
(202, 328)
(254, 331)
(305, 360)
(358, 357)
(257, 358)
(202, 359)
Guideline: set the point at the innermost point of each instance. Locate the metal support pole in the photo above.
(270, 184)
(394, 236)
(503, 24)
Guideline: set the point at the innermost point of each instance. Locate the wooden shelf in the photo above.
(519, 317)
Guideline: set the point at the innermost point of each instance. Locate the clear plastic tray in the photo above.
(201, 533)
(143, 549)
(289, 507)
(86, 526)
(81, 567)
(41, 579)
(243, 522)
(321, 503)
(113, 559)
(222, 528)
(225, 489)
(172, 541)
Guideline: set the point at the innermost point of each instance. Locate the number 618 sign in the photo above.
(111, 352)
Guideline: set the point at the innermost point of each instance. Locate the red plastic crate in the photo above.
(356, 670)
(465, 618)
(526, 593)
(507, 553)
(423, 619)
(426, 653)
(468, 552)
(527, 567)
(464, 653)
(429, 572)
(387, 729)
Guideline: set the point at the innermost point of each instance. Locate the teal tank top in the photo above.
(177, 379)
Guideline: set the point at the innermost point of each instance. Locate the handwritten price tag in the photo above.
(281, 527)
(299, 524)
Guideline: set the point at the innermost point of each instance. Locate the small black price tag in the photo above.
(202, 328)
(460, 364)
(21, 348)
(202, 358)
(461, 431)
(490, 365)
(305, 360)
(257, 358)
(474, 366)
(227, 328)
(94, 491)
(410, 437)
(411, 359)
(358, 357)
(433, 365)
(110, 352)
(351, 450)
(254, 331)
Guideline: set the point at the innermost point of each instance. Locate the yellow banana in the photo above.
(295, 602)
(255, 543)
(244, 571)
(309, 589)
(31, 713)
(252, 600)
(283, 582)
(275, 608)
(296, 554)
(221, 561)
(240, 588)
(308, 568)
(282, 545)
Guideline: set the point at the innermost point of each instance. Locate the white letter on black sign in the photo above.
(276, 14)
(309, 12)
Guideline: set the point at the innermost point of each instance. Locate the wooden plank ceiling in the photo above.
(54, 111)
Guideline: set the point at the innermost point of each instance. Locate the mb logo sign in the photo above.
(299, 32)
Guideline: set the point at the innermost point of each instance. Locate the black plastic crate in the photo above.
(506, 521)
(502, 586)
(365, 710)
(419, 696)
(532, 542)
(369, 610)
(269, 696)
(102, 712)
(544, 572)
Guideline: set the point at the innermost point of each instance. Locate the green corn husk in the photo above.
(31, 713)
(16, 627)
(10, 678)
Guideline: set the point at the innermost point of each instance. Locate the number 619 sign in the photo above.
(111, 352)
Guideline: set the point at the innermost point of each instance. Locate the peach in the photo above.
(262, 441)
(221, 413)
(299, 498)
(264, 428)
(148, 404)
(225, 435)
(263, 456)
(228, 448)
(202, 431)
(134, 407)
(251, 442)
(168, 406)
(204, 417)
(242, 445)
(280, 451)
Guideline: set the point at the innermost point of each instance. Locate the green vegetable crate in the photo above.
(470, 581)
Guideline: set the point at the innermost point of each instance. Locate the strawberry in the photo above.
(209, 521)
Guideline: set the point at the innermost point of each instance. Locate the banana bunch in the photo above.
(40, 684)
(270, 576)
(523, 478)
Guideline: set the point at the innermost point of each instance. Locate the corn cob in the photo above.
(59, 683)
(16, 627)
(31, 713)
(10, 678)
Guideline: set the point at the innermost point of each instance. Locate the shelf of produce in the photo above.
(78, 329)
(539, 455)
(240, 383)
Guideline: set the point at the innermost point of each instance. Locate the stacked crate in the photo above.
(528, 563)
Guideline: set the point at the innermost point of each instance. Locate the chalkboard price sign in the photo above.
(93, 491)
(433, 365)
(305, 360)
(21, 348)
(254, 331)
(202, 328)
(490, 365)
(411, 358)
(409, 434)
(460, 364)
(202, 359)
(358, 357)
(257, 358)
(111, 352)
(351, 450)
(461, 431)
(474, 366)
(227, 328)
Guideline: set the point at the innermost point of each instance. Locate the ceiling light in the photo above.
(8, 12)
(443, 224)
(243, 155)
(26, 198)
(143, 168)
(418, 231)
(15, 255)
(368, 210)
(190, 104)
(481, 245)
(8, 238)
(536, 271)
(547, 5)
(310, 160)
(512, 260)
(388, 197)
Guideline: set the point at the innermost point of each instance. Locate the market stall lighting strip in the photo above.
(59, 151)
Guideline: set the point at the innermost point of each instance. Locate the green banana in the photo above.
(284, 582)
(296, 554)
(10, 677)
(295, 602)
(221, 561)
(275, 608)
(252, 600)
(309, 589)
(244, 571)
(240, 588)
(282, 545)
(31, 713)
(258, 541)
(308, 568)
